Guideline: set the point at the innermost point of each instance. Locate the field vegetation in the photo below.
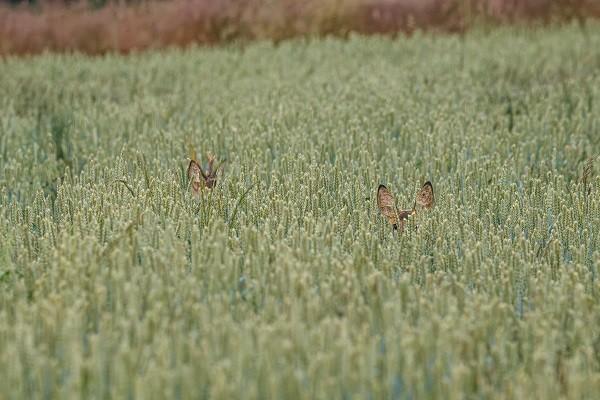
(284, 281)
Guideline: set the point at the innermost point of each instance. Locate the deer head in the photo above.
(201, 178)
(387, 205)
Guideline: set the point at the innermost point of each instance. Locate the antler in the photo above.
(211, 160)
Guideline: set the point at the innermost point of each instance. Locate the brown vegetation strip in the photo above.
(57, 27)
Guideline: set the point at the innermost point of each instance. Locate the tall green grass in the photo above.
(285, 282)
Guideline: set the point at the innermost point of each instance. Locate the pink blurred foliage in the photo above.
(117, 27)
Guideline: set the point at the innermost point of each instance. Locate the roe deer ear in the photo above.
(195, 175)
(220, 168)
(216, 173)
(387, 205)
(425, 196)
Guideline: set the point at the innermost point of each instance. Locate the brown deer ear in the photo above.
(220, 170)
(425, 196)
(194, 172)
(211, 160)
(387, 205)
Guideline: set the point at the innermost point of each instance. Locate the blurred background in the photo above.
(101, 26)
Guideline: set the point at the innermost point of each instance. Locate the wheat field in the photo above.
(284, 281)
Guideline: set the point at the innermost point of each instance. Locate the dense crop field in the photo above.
(285, 281)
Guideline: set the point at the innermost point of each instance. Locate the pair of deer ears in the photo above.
(424, 198)
(201, 178)
(387, 203)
